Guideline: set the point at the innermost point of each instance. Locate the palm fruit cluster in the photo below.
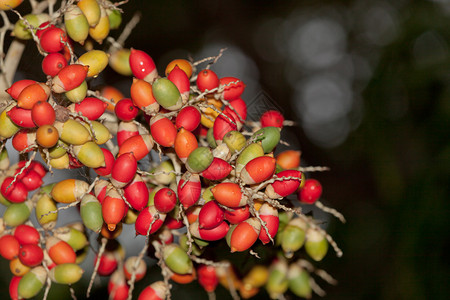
(177, 160)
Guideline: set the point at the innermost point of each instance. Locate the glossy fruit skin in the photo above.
(42, 113)
(284, 187)
(136, 193)
(199, 159)
(272, 118)
(124, 170)
(26, 234)
(181, 81)
(163, 131)
(125, 131)
(53, 63)
(188, 118)
(47, 136)
(145, 218)
(207, 80)
(32, 180)
(13, 287)
(155, 291)
(268, 214)
(142, 65)
(165, 200)
(142, 95)
(210, 216)
(233, 88)
(17, 87)
(16, 193)
(31, 94)
(289, 159)
(31, 255)
(91, 108)
(311, 191)
(51, 38)
(125, 110)
(139, 145)
(91, 213)
(60, 251)
(113, 209)
(223, 124)
(21, 117)
(245, 235)
(217, 170)
(258, 170)
(167, 94)
(69, 77)
(185, 143)
(66, 273)
(189, 193)
(229, 194)
(237, 215)
(214, 234)
(109, 163)
(9, 247)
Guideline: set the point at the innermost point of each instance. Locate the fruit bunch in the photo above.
(178, 160)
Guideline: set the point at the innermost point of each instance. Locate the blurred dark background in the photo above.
(368, 83)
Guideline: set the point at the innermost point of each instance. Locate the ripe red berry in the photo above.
(207, 80)
(272, 118)
(125, 110)
(31, 255)
(311, 191)
(53, 63)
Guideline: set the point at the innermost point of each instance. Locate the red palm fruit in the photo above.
(91, 107)
(69, 77)
(100, 188)
(34, 165)
(24, 139)
(21, 117)
(108, 263)
(155, 291)
(289, 159)
(142, 96)
(258, 170)
(145, 218)
(207, 278)
(188, 118)
(245, 235)
(136, 193)
(229, 194)
(109, 163)
(9, 247)
(181, 80)
(237, 215)
(53, 39)
(17, 87)
(113, 209)
(31, 255)
(310, 192)
(60, 251)
(240, 107)
(165, 200)
(32, 180)
(33, 93)
(43, 28)
(185, 143)
(207, 80)
(272, 118)
(173, 223)
(223, 124)
(125, 110)
(192, 213)
(286, 187)
(268, 214)
(123, 170)
(125, 131)
(13, 286)
(42, 113)
(215, 234)
(129, 267)
(189, 189)
(211, 215)
(139, 145)
(233, 88)
(217, 170)
(117, 286)
(53, 63)
(142, 65)
(163, 131)
(16, 193)
(26, 234)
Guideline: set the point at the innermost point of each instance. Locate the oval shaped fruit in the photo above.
(142, 65)
(167, 94)
(76, 24)
(113, 209)
(59, 251)
(91, 213)
(185, 143)
(97, 61)
(31, 255)
(145, 218)
(210, 216)
(199, 160)
(229, 194)
(232, 87)
(26, 234)
(69, 190)
(69, 77)
(177, 259)
(258, 170)
(33, 93)
(42, 113)
(269, 137)
(53, 39)
(139, 145)
(207, 80)
(189, 190)
(9, 247)
(101, 30)
(32, 282)
(163, 131)
(245, 235)
(272, 118)
(142, 95)
(310, 192)
(66, 273)
(183, 64)
(21, 117)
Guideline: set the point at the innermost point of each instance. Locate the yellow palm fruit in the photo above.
(101, 30)
(91, 9)
(120, 62)
(97, 61)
